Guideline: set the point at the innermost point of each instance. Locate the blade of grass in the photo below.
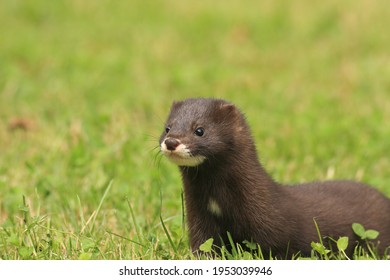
(137, 231)
(125, 238)
(101, 202)
(234, 251)
(81, 211)
(183, 224)
(92, 218)
(164, 227)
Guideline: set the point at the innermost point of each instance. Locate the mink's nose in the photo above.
(172, 143)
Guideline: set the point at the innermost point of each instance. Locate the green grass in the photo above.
(85, 87)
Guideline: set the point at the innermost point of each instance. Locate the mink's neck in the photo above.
(236, 179)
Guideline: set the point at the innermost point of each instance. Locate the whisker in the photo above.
(157, 156)
(155, 148)
(160, 156)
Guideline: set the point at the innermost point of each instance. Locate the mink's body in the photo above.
(227, 190)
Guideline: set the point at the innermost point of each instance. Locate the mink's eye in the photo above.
(199, 131)
(167, 129)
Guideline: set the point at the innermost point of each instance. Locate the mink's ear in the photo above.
(227, 111)
(174, 107)
(227, 108)
(176, 104)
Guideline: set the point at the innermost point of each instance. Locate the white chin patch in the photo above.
(181, 155)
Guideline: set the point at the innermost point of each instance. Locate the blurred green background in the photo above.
(85, 87)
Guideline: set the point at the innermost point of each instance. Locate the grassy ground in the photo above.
(86, 85)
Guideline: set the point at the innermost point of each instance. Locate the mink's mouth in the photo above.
(173, 155)
(181, 155)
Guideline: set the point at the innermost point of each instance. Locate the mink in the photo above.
(227, 190)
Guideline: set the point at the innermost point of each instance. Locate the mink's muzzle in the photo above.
(172, 143)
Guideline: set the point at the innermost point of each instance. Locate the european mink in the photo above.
(226, 188)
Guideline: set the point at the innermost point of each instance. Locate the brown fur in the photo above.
(253, 206)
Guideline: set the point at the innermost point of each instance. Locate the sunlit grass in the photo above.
(85, 87)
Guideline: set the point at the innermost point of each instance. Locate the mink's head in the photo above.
(199, 130)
